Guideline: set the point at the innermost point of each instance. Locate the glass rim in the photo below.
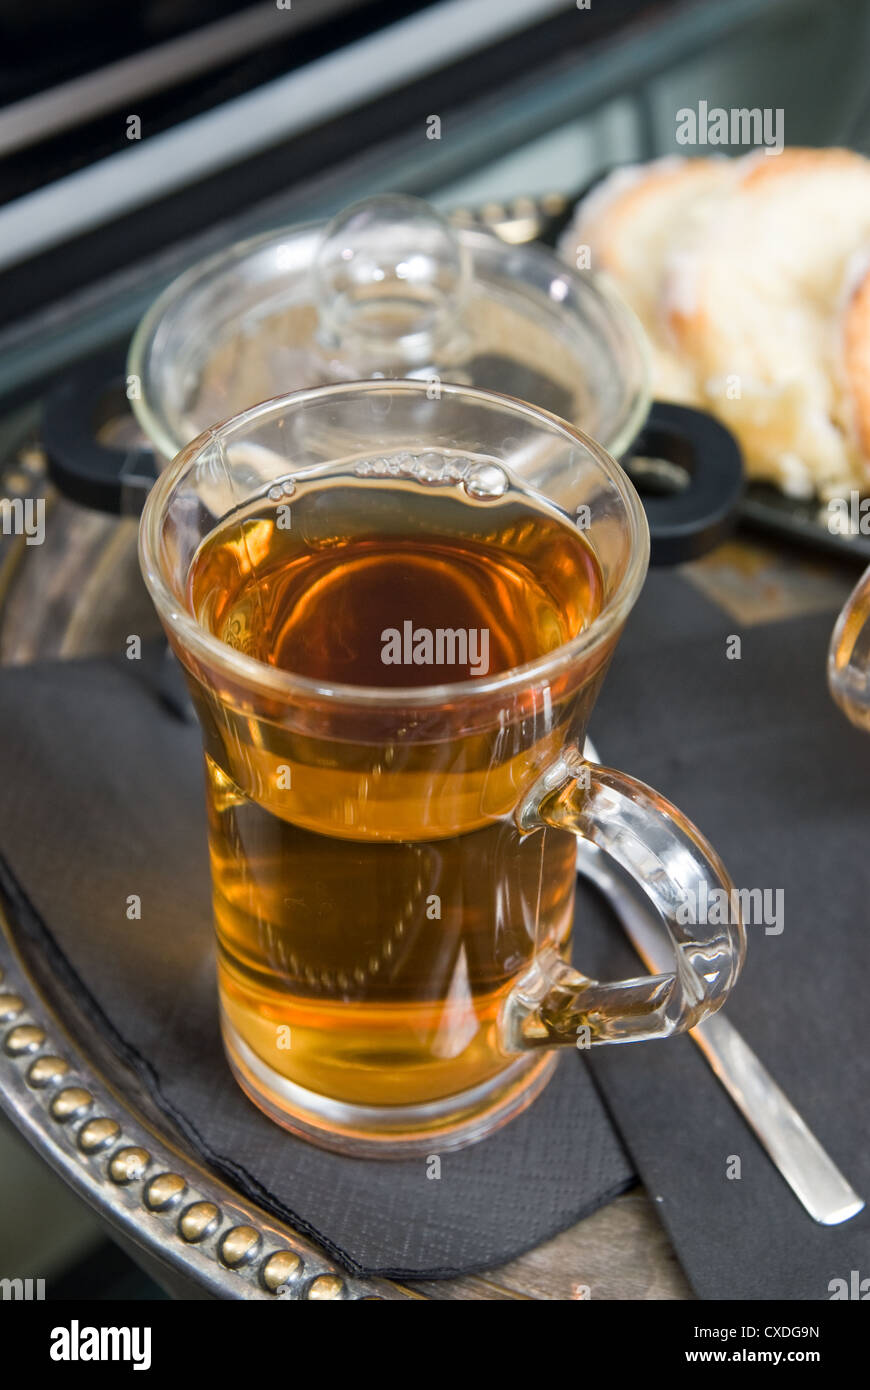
(276, 681)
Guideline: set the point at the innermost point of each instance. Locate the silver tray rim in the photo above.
(235, 1256)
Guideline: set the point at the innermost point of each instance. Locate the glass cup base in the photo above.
(373, 1131)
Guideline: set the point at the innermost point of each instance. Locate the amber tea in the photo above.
(374, 900)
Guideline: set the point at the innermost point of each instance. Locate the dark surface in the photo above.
(106, 1274)
(757, 754)
(801, 521)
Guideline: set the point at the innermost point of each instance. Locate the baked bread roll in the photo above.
(752, 279)
(856, 347)
(630, 223)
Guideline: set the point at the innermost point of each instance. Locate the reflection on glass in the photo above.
(849, 656)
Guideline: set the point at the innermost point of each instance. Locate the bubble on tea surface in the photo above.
(485, 482)
(429, 468)
(279, 491)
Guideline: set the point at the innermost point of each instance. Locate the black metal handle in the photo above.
(683, 524)
(106, 476)
(706, 458)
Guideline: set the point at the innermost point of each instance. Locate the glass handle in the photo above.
(679, 871)
(849, 656)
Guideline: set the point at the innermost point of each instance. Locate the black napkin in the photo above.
(101, 798)
(756, 753)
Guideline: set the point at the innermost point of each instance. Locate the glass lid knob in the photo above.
(391, 281)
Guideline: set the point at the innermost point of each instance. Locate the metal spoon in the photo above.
(811, 1174)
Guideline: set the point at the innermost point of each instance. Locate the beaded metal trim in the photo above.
(157, 1198)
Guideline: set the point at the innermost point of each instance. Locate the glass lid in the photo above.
(388, 288)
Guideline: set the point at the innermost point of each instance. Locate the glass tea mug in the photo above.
(352, 1012)
(849, 656)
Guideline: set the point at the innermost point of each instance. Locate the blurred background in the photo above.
(137, 138)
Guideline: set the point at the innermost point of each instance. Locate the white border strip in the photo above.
(153, 70)
(281, 108)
